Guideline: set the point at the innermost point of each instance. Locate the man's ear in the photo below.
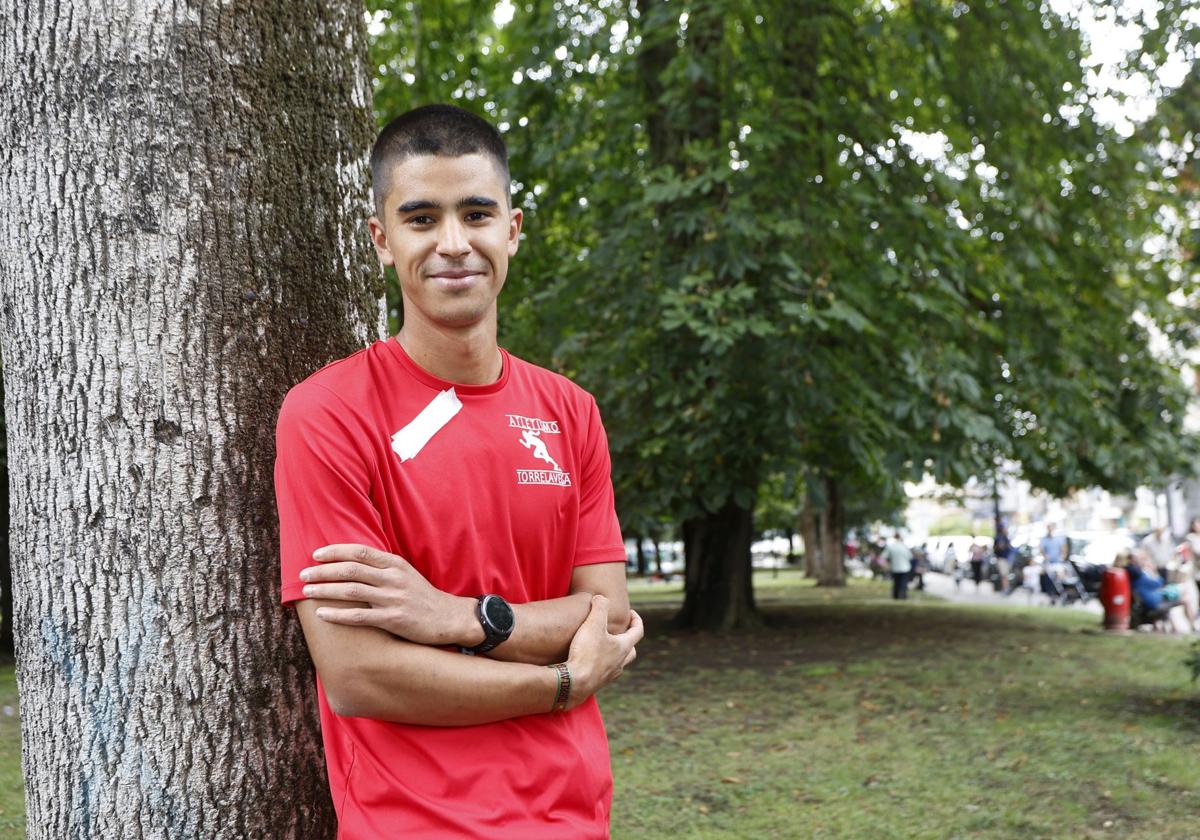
(515, 218)
(379, 240)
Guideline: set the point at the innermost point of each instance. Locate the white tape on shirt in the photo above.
(412, 438)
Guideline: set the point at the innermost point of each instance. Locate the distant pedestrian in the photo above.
(1192, 541)
(1004, 552)
(1031, 579)
(1053, 548)
(950, 564)
(1183, 574)
(920, 565)
(899, 560)
(977, 555)
(1157, 597)
(1161, 548)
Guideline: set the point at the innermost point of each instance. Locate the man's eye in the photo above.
(421, 220)
(477, 216)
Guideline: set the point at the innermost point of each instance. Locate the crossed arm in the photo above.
(374, 625)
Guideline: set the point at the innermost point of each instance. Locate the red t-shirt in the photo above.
(507, 495)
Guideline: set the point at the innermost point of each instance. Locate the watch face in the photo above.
(499, 613)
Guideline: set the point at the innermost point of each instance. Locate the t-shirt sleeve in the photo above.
(599, 539)
(322, 483)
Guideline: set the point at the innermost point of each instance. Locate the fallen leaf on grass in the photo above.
(732, 780)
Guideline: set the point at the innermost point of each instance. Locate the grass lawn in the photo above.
(850, 716)
(12, 785)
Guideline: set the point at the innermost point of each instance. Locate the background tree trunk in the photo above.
(718, 590)
(812, 544)
(833, 567)
(185, 188)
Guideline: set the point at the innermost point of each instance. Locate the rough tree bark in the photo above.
(184, 188)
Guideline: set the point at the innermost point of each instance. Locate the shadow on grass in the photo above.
(836, 633)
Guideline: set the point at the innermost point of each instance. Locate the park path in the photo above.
(943, 587)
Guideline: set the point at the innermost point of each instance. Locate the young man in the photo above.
(447, 532)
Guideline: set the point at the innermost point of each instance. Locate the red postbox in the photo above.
(1114, 595)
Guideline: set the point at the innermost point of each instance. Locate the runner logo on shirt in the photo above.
(532, 430)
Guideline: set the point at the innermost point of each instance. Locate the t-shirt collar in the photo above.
(426, 378)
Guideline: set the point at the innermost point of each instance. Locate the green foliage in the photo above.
(853, 242)
(1193, 661)
(959, 522)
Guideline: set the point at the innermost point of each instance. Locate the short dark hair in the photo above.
(433, 130)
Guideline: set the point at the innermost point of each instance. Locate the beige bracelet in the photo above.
(564, 687)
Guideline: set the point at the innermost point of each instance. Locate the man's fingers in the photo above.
(599, 612)
(636, 629)
(352, 616)
(341, 592)
(356, 553)
(345, 570)
(629, 657)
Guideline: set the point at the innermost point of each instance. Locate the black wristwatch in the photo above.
(497, 619)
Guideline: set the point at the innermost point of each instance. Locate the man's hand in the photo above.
(598, 657)
(399, 599)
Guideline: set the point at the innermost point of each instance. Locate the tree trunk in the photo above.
(641, 558)
(657, 558)
(718, 589)
(833, 567)
(184, 188)
(812, 544)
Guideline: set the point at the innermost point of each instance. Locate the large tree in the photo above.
(184, 188)
(858, 240)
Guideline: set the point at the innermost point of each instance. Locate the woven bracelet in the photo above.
(564, 687)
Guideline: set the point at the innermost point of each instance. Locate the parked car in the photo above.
(1098, 548)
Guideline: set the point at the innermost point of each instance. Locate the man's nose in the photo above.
(452, 239)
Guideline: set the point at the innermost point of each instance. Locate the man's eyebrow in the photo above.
(426, 204)
(476, 201)
(419, 204)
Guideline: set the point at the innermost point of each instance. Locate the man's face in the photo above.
(448, 231)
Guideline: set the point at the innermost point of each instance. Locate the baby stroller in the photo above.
(1066, 589)
(1089, 576)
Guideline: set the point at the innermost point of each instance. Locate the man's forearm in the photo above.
(367, 672)
(362, 586)
(543, 630)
